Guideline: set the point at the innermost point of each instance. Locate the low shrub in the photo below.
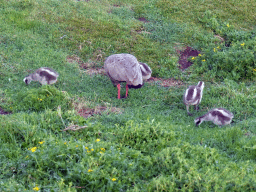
(234, 58)
(39, 99)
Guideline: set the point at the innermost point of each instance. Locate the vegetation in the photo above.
(145, 142)
(234, 58)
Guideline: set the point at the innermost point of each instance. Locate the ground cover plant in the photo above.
(76, 136)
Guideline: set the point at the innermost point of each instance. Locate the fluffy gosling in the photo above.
(44, 75)
(219, 116)
(193, 95)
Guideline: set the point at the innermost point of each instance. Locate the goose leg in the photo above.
(190, 114)
(127, 89)
(118, 91)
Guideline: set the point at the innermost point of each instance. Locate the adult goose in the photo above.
(126, 68)
(44, 75)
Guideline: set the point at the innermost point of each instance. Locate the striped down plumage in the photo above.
(219, 116)
(44, 75)
(193, 95)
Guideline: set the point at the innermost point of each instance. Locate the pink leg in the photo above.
(127, 88)
(118, 91)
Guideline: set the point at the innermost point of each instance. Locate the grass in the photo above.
(148, 143)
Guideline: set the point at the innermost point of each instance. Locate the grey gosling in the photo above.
(193, 95)
(219, 116)
(44, 75)
(126, 68)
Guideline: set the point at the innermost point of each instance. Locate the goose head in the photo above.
(145, 70)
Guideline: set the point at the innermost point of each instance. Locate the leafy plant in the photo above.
(234, 58)
(39, 99)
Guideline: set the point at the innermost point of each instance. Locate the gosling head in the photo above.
(200, 84)
(27, 79)
(198, 121)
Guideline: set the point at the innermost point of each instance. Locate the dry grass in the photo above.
(86, 109)
(165, 82)
(88, 67)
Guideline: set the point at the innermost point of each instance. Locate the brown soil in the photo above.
(184, 55)
(89, 66)
(165, 82)
(74, 58)
(143, 19)
(3, 112)
(88, 112)
(142, 31)
(84, 109)
(220, 38)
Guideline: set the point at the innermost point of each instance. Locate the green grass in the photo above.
(149, 143)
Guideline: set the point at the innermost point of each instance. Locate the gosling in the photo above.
(193, 96)
(44, 75)
(219, 116)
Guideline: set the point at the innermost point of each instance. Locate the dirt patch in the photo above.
(141, 30)
(184, 55)
(75, 59)
(165, 82)
(90, 66)
(143, 19)
(88, 112)
(3, 112)
(84, 108)
(92, 71)
(220, 38)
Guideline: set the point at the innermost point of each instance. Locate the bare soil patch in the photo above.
(143, 19)
(170, 82)
(184, 55)
(89, 66)
(140, 30)
(3, 112)
(220, 38)
(84, 108)
(88, 112)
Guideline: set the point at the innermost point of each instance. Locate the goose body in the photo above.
(219, 116)
(126, 68)
(193, 95)
(44, 75)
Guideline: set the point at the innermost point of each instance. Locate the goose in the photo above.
(44, 75)
(126, 68)
(193, 95)
(219, 116)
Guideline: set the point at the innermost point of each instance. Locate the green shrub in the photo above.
(39, 99)
(235, 58)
